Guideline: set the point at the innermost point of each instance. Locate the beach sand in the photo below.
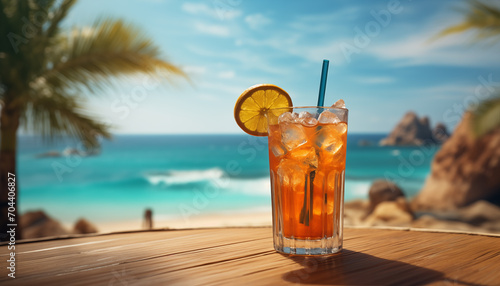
(263, 218)
(469, 218)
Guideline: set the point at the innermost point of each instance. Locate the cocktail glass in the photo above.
(307, 151)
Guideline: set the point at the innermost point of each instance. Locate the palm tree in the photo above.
(485, 20)
(44, 73)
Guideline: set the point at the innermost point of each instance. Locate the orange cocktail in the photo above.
(307, 151)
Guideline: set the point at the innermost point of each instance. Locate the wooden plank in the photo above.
(229, 256)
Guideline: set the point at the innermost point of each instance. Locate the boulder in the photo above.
(431, 222)
(480, 212)
(355, 212)
(392, 213)
(49, 154)
(383, 191)
(82, 226)
(363, 143)
(440, 133)
(466, 169)
(37, 224)
(411, 130)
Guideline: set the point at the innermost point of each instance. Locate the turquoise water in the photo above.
(181, 175)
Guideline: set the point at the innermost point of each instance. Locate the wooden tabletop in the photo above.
(244, 256)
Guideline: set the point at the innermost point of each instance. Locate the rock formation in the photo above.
(480, 216)
(38, 224)
(364, 143)
(465, 170)
(387, 205)
(440, 133)
(383, 191)
(82, 226)
(49, 154)
(480, 213)
(412, 130)
(393, 213)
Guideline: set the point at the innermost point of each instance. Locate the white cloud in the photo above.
(227, 13)
(325, 22)
(226, 74)
(245, 58)
(446, 91)
(217, 11)
(210, 29)
(256, 21)
(305, 38)
(420, 49)
(397, 45)
(375, 80)
(195, 8)
(297, 45)
(206, 96)
(197, 70)
(220, 88)
(316, 53)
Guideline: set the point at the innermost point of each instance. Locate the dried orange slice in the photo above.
(253, 105)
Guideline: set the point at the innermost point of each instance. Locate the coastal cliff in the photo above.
(465, 170)
(412, 130)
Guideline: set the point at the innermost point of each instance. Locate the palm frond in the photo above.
(41, 77)
(59, 14)
(94, 55)
(25, 41)
(486, 117)
(485, 19)
(482, 17)
(58, 114)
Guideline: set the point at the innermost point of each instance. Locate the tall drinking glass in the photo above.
(307, 151)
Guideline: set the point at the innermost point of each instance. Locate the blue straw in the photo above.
(322, 84)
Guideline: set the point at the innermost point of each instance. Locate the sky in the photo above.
(384, 61)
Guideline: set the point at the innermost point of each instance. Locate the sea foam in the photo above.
(181, 177)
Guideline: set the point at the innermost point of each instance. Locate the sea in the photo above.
(179, 175)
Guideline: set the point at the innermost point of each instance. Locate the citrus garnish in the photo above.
(255, 102)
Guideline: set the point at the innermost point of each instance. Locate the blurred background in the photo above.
(123, 107)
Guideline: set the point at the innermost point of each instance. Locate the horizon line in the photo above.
(187, 134)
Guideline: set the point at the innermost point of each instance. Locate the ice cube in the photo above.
(286, 117)
(292, 135)
(304, 115)
(291, 173)
(309, 121)
(278, 150)
(329, 138)
(339, 104)
(327, 117)
(334, 158)
(341, 127)
(305, 156)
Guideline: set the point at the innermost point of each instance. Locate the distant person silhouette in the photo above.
(148, 219)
